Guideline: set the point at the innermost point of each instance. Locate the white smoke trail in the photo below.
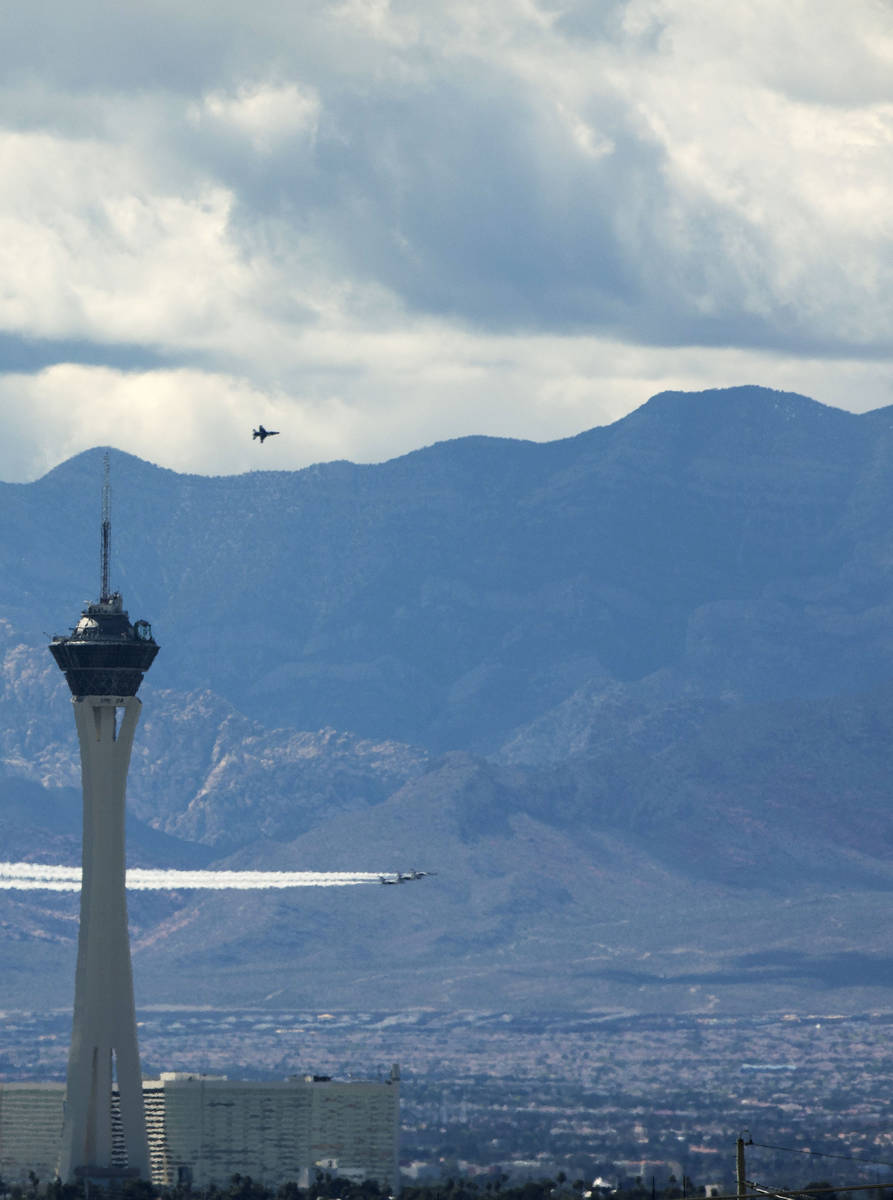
(37, 877)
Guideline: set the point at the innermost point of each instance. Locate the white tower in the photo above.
(104, 660)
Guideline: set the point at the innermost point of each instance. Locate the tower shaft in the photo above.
(103, 1043)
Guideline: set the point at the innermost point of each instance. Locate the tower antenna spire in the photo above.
(104, 593)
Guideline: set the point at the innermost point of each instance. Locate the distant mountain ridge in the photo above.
(482, 578)
(629, 692)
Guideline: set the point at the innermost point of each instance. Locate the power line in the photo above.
(870, 1162)
(788, 1193)
(784, 1193)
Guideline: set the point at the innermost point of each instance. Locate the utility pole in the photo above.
(739, 1168)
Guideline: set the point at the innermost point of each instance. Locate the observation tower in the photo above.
(104, 660)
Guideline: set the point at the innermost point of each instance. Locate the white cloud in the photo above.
(91, 246)
(267, 115)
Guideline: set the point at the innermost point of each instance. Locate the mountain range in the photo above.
(629, 694)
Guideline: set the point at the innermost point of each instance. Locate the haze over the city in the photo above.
(375, 225)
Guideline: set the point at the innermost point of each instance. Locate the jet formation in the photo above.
(400, 877)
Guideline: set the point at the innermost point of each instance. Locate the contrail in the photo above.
(37, 877)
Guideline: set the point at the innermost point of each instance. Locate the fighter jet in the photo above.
(262, 433)
(400, 877)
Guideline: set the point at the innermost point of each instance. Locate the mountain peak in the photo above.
(748, 402)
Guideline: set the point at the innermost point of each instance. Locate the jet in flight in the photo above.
(401, 878)
(262, 433)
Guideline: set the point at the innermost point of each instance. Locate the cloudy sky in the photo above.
(373, 225)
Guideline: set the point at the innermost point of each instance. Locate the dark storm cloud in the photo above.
(604, 22)
(468, 199)
(21, 355)
(445, 198)
(103, 46)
